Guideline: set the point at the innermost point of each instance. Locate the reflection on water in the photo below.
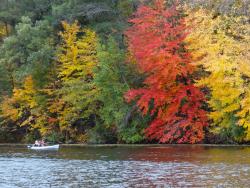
(169, 166)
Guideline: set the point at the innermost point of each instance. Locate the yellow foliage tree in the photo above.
(74, 97)
(2, 31)
(220, 43)
(22, 106)
(5, 30)
(8, 109)
(26, 95)
(76, 56)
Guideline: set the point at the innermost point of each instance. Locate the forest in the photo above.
(125, 71)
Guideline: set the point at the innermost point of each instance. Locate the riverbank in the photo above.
(129, 145)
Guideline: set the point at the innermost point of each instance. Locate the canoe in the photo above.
(53, 147)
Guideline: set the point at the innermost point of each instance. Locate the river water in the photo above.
(115, 167)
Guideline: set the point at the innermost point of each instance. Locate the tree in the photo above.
(22, 107)
(84, 11)
(12, 10)
(220, 44)
(3, 31)
(156, 41)
(113, 77)
(29, 52)
(74, 96)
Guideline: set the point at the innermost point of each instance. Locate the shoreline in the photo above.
(130, 145)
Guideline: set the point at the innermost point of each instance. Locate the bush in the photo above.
(101, 134)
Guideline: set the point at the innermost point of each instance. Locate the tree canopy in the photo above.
(130, 71)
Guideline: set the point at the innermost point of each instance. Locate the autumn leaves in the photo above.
(168, 51)
(156, 41)
(185, 70)
(220, 43)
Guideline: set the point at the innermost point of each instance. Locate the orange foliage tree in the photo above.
(156, 42)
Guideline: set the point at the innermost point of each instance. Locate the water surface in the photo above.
(168, 166)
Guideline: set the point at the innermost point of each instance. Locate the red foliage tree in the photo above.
(156, 41)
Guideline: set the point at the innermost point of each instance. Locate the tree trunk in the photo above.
(6, 28)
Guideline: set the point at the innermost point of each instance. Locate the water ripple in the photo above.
(90, 168)
(59, 173)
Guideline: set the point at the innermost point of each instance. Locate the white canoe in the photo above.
(54, 147)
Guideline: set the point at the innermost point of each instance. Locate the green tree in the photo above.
(12, 10)
(28, 52)
(113, 78)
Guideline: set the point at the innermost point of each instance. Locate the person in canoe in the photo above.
(40, 143)
(37, 143)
